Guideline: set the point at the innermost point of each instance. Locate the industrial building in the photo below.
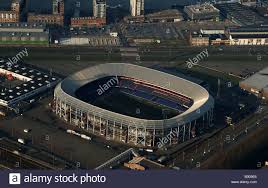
(240, 14)
(197, 112)
(12, 15)
(204, 11)
(32, 82)
(171, 15)
(19, 38)
(198, 39)
(24, 33)
(99, 8)
(88, 22)
(262, 10)
(154, 32)
(254, 35)
(90, 37)
(257, 84)
(57, 16)
(23, 27)
(219, 39)
(244, 40)
(249, 3)
(137, 7)
(249, 30)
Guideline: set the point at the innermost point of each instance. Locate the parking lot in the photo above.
(48, 133)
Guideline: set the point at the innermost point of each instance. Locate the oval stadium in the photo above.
(134, 105)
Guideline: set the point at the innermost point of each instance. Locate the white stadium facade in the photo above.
(194, 103)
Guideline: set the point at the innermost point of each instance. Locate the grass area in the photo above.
(122, 103)
(24, 42)
(207, 75)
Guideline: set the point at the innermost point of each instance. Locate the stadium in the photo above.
(133, 104)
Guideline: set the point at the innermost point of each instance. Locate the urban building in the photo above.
(16, 5)
(50, 19)
(23, 27)
(262, 10)
(9, 17)
(218, 39)
(136, 19)
(257, 84)
(246, 40)
(24, 33)
(204, 11)
(137, 7)
(56, 18)
(99, 8)
(19, 38)
(90, 37)
(254, 35)
(58, 7)
(225, 1)
(240, 14)
(98, 19)
(12, 15)
(88, 22)
(249, 2)
(249, 30)
(171, 15)
(198, 39)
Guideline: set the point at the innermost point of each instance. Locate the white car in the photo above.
(26, 130)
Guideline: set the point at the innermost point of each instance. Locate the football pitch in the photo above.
(120, 102)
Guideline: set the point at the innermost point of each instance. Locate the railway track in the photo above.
(13, 156)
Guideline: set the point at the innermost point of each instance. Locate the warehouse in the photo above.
(24, 33)
(23, 27)
(255, 35)
(91, 37)
(19, 82)
(257, 84)
(202, 12)
(172, 15)
(24, 38)
(240, 14)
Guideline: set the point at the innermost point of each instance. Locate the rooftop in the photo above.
(22, 25)
(258, 81)
(166, 13)
(23, 34)
(240, 14)
(203, 8)
(34, 79)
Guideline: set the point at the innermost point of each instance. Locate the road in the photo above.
(194, 155)
(11, 156)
